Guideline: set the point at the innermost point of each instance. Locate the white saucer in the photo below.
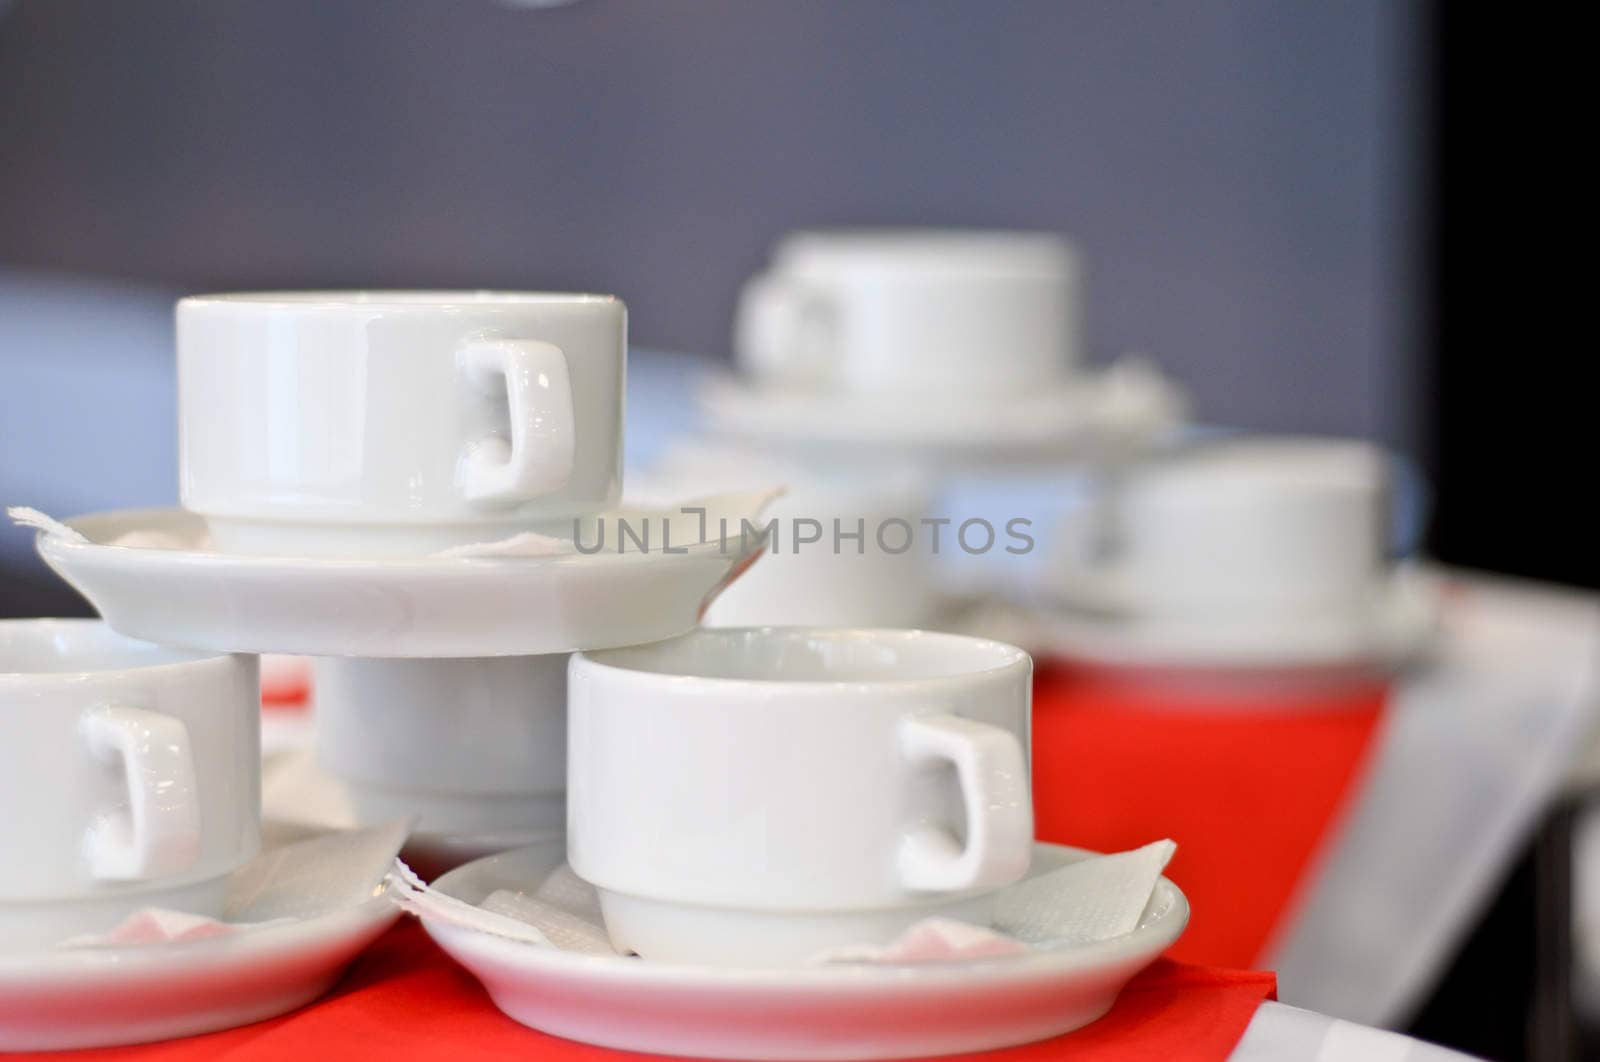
(200, 598)
(96, 997)
(1397, 628)
(1123, 407)
(836, 1011)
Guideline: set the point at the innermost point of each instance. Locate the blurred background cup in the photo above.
(473, 747)
(851, 551)
(1250, 529)
(397, 422)
(848, 547)
(759, 794)
(130, 775)
(945, 312)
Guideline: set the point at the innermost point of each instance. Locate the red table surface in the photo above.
(1251, 784)
(404, 999)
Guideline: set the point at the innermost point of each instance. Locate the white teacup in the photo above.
(397, 422)
(938, 311)
(130, 777)
(757, 795)
(847, 549)
(475, 747)
(1260, 529)
(846, 553)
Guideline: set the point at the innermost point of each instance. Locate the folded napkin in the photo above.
(1079, 903)
(298, 875)
(25, 516)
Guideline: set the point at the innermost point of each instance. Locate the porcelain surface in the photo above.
(733, 772)
(99, 997)
(1254, 552)
(384, 607)
(1125, 409)
(396, 422)
(1256, 529)
(299, 791)
(466, 746)
(836, 1011)
(883, 578)
(913, 312)
(130, 774)
(1396, 627)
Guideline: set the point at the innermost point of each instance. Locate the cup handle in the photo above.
(158, 832)
(538, 458)
(776, 326)
(993, 774)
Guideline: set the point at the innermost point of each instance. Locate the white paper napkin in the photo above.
(1079, 903)
(1092, 899)
(24, 516)
(298, 875)
(1082, 902)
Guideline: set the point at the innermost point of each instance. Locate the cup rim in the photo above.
(1266, 467)
(632, 660)
(399, 299)
(165, 657)
(920, 238)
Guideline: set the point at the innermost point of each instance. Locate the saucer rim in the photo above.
(1396, 630)
(731, 407)
(514, 606)
(375, 913)
(131, 520)
(1141, 946)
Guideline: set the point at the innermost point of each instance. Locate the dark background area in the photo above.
(1241, 176)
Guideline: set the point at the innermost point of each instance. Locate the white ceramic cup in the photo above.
(934, 311)
(752, 796)
(848, 547)
(828, 565)
(390, 423)
(1255, 529)
(475, 748)
(130, 776)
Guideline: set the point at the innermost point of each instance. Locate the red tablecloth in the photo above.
(404, 999)
(1249, 782)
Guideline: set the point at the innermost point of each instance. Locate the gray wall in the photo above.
(1239, 174)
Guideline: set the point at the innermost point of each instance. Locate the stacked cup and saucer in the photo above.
(873, 365)
(1252, 557)
(939, 346)
(802, 843)
(141, 896)
(779, 842)
(416, 489)
(388, 482)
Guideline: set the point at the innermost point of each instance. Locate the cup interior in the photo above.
(815, 655)
(71, 647)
